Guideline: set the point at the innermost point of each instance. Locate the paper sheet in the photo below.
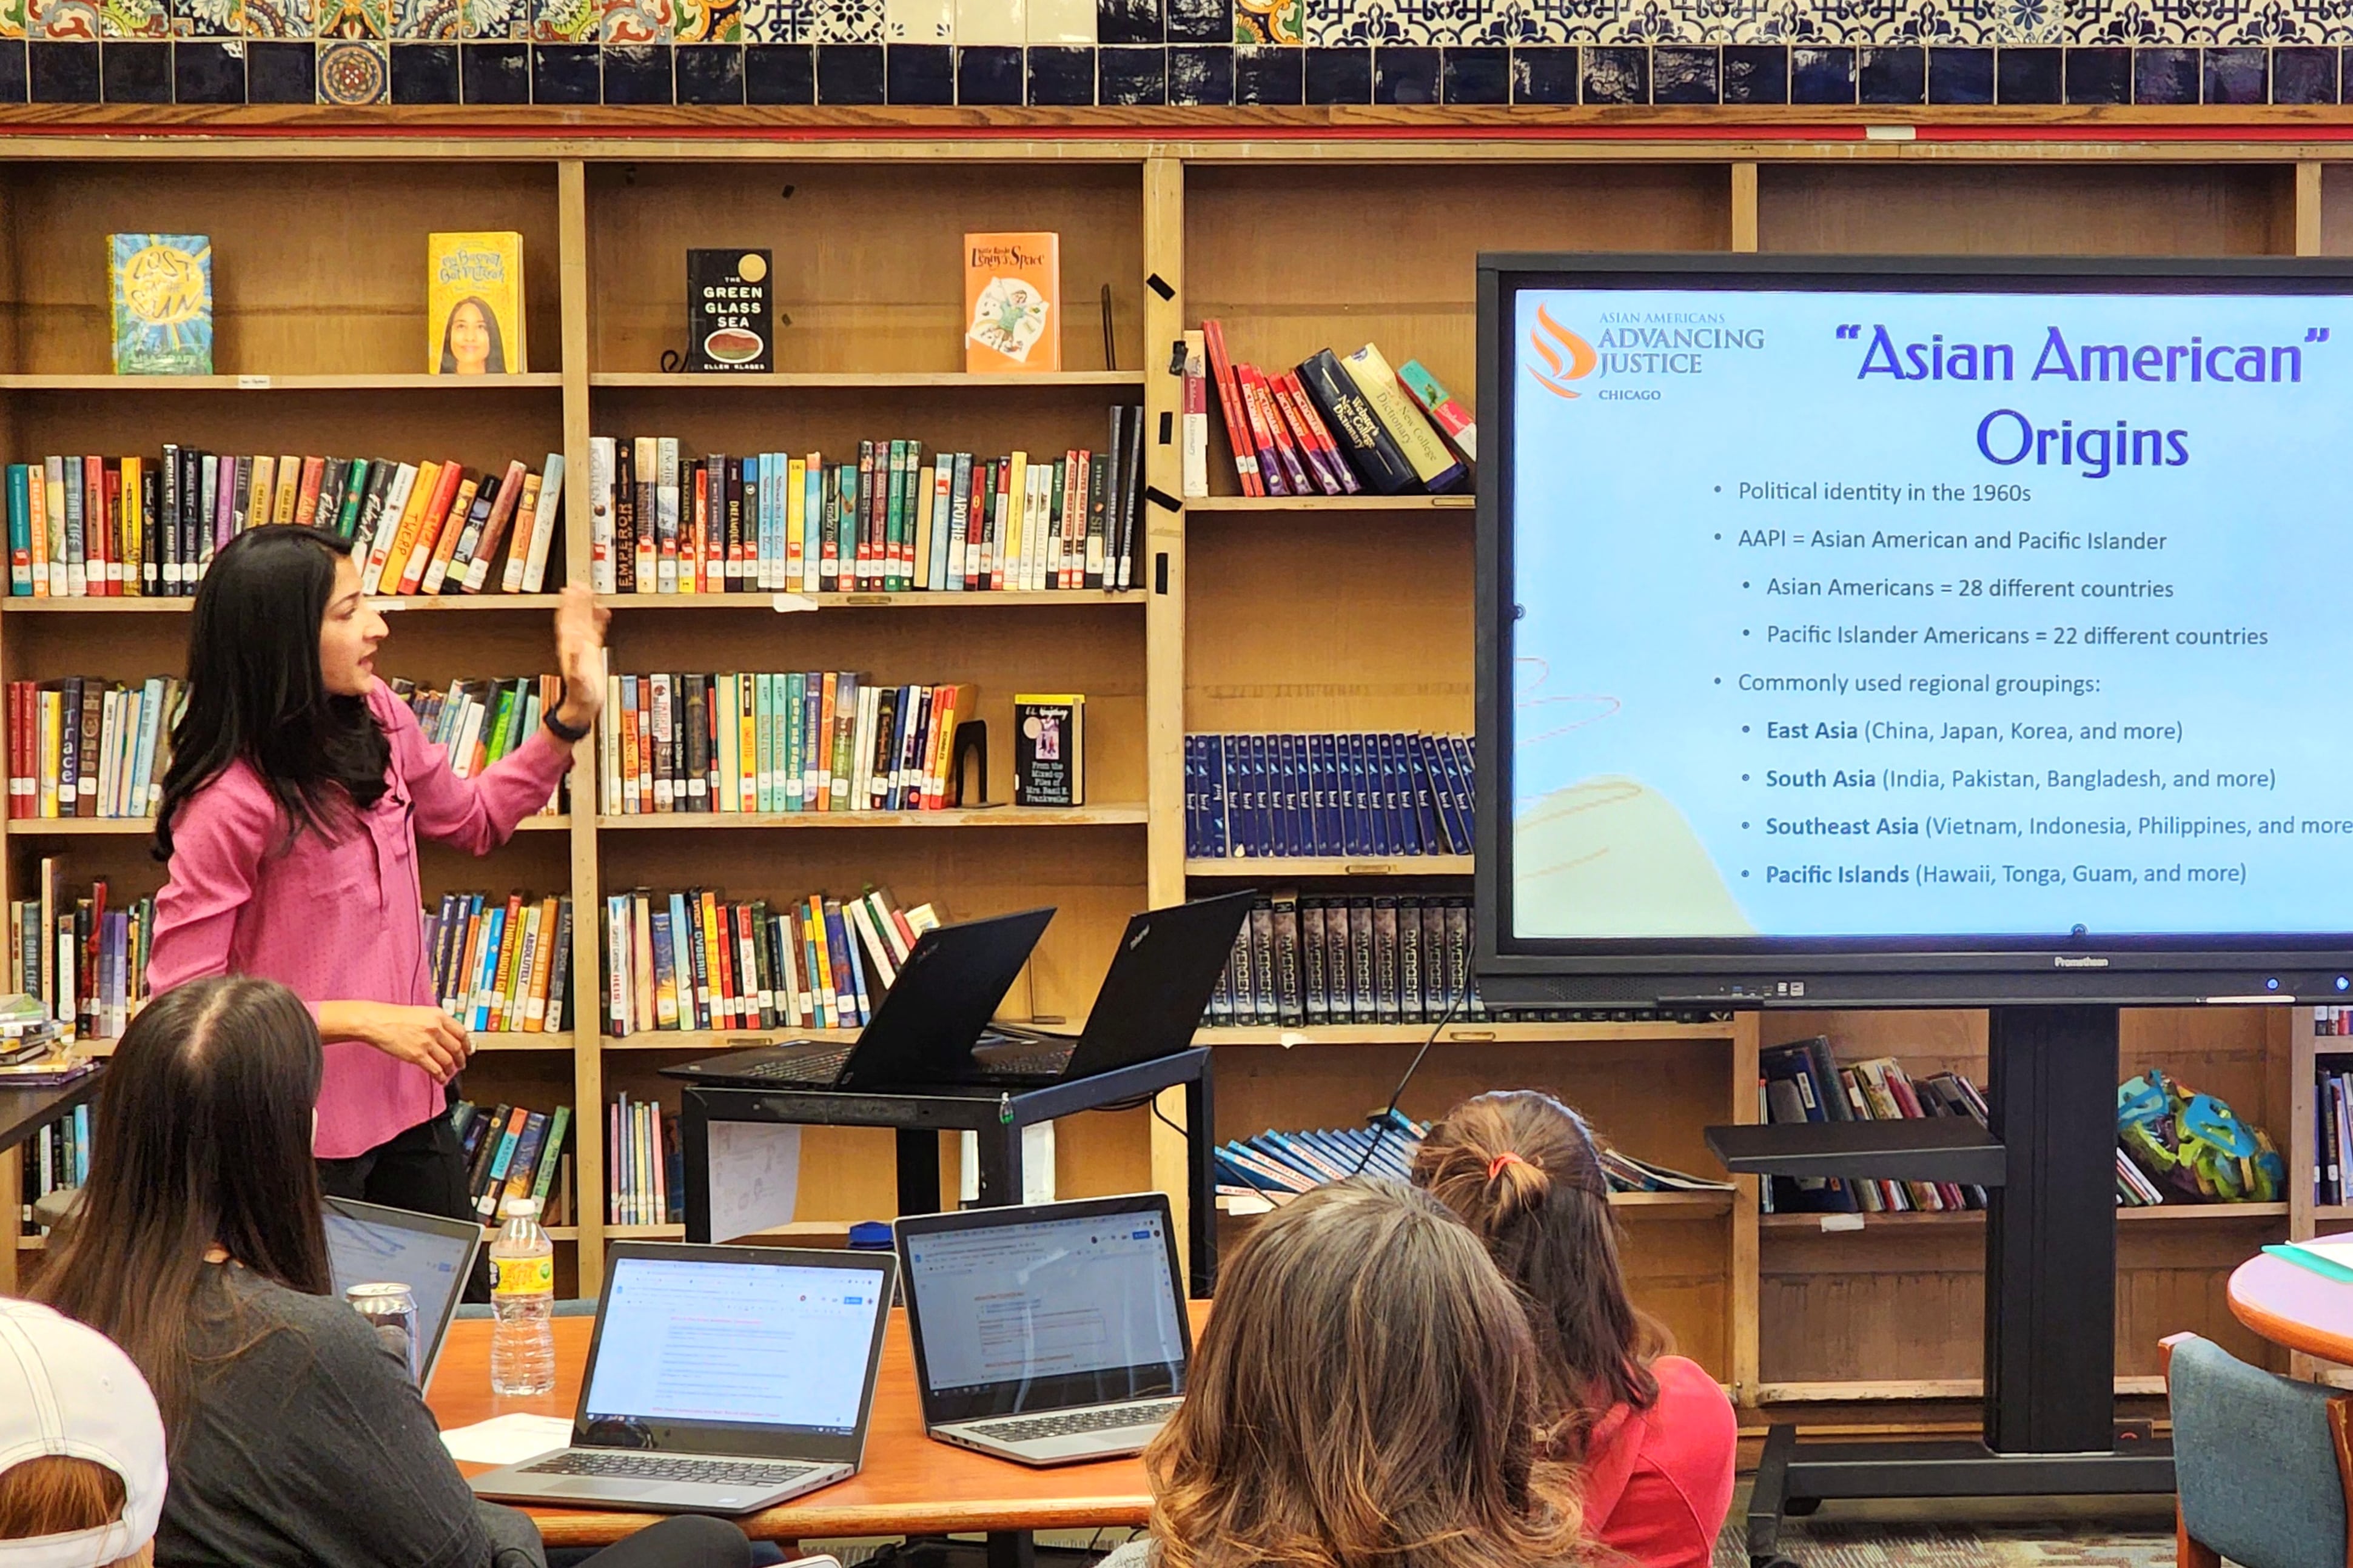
(755, 1176)
(507, 1439)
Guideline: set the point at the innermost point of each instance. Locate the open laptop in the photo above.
(721, 1379)
(368, 1244)
(923, 1029)
(1151, 1000)
(1049, 1334)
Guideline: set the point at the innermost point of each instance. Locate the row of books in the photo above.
(1805, 1081)
(482, 721)
(1335, 424)
(83, 956)
(645, 1172)
(1386, 960)
(894, 521)
(2333, 1133)
(782, 741)
(513, 1151)
(1385, 792)
(86, 746)
(2332, 1023)
(54, 1158)
(1274, 1167)
(503, 966)
(695, 960)
(91, 526)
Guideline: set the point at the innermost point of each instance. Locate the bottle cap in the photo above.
(517, 1208)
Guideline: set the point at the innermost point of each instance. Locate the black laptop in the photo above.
(1151, 1001)
(924, 1028)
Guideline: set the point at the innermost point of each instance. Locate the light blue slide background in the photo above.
(1632, 607)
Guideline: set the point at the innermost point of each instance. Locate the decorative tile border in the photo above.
(449, 63)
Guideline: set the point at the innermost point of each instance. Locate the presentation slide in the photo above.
(747, 1344)
(1883, 614)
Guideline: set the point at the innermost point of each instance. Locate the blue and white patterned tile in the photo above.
(280, 19)
(1000, 24)
(419, 21)
(918, 22)
(846, 21)
(207, 19)
(353, 72)
(773, 21)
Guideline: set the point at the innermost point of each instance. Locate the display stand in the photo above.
(2049, 1168)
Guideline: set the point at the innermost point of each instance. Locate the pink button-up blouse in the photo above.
(338, 919)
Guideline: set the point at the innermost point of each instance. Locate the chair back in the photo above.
(2256, 1461)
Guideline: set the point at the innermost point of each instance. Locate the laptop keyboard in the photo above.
(1044, 1063)
(817, 1067)
(1071, 1423)
(637, 1466)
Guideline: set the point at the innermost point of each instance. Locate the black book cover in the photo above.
(741, 498)
(1046, 742)
(1313, 966)
(625, 516)
(184, 526)
(698, 749)
(150, 558)
(1411, 1005)
(727, 312)
(559, 979)
(1364, 441)
(1363, 993)
(1385, 960)
(1290, 1006)
(1132, 503)
(1262, 996)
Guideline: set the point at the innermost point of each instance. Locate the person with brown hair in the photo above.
(81, 1449)
(294, 1434)
(1364, 1397)
(1653, 1431)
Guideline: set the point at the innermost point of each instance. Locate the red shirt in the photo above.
(1658, 1484)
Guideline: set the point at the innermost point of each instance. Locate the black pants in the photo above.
(687, 1540)
(422, 1170)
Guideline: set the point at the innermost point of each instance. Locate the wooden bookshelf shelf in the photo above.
(711, 1041)
(1465, 1033)
(457, 385)
(908, 380)
(144, 827)
(1008, 817)
(435, 603)
(505, 1040)
(2157, 1214)
(1628, 1206)
(795, 604)
(2332, 1214)
(1333, 865)
(1332, 504)
(802, 1230)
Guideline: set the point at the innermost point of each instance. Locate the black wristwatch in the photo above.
(563, 731)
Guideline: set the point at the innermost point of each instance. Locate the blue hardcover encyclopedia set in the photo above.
(1288, 796)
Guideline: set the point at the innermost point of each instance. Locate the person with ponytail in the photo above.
(1653, 1431)
(1364, 1397)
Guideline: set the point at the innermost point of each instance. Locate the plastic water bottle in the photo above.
(522, 1295)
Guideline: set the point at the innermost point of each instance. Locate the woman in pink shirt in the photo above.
(291, 810)
(1653, 1433)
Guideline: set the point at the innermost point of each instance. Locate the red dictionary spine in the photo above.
(1238, 434)
(1319, 463)
(1276, 453)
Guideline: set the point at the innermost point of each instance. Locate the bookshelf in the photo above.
(1253, 613)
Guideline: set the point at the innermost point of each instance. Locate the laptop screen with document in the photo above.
(715, 1351)
(368, 1244)
(1044, 1307)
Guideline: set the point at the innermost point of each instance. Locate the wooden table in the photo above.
(24, 1111)
(2292, 1306)
(910, 1485)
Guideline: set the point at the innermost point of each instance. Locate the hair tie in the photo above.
(1495, 1166)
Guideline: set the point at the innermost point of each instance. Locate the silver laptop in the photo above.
(1049, 1334)
(721, 1379)
(368, 1244)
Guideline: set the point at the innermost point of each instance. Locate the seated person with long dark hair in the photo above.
(1653, 1431)
(1364, 1397)
(296, 1438)
(81, 1449)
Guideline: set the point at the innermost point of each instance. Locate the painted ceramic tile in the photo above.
(69, 21)
(1062, 21)
(635, 22)
(135, 19)
(13, 19)
(420, 21)
(1416, 23)
(919, 21)
(707, 21)
(207, 19)
(564, 21)
(773, 22)
(986, 22)
(492, 21)
(353, 71)
(1272, 21)
(364, 20)
(280, 19)
(846, 21)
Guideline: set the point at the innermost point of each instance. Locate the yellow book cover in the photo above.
(474, 305)
(1012, 303)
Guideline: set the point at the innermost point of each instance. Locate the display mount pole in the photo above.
(2050, 1281)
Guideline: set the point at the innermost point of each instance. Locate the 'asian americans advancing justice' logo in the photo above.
(1631, 345)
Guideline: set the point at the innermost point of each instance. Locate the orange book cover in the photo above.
(428, 532)
(306, 499)
(1012, 303)
(453, 528)
(389, 558)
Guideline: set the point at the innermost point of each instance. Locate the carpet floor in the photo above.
(1872, 1543)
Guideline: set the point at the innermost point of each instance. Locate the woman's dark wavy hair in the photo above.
(255, 691)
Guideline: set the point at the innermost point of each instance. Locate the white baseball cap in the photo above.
(66, 1390)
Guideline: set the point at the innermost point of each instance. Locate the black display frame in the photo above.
(1832, 971)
